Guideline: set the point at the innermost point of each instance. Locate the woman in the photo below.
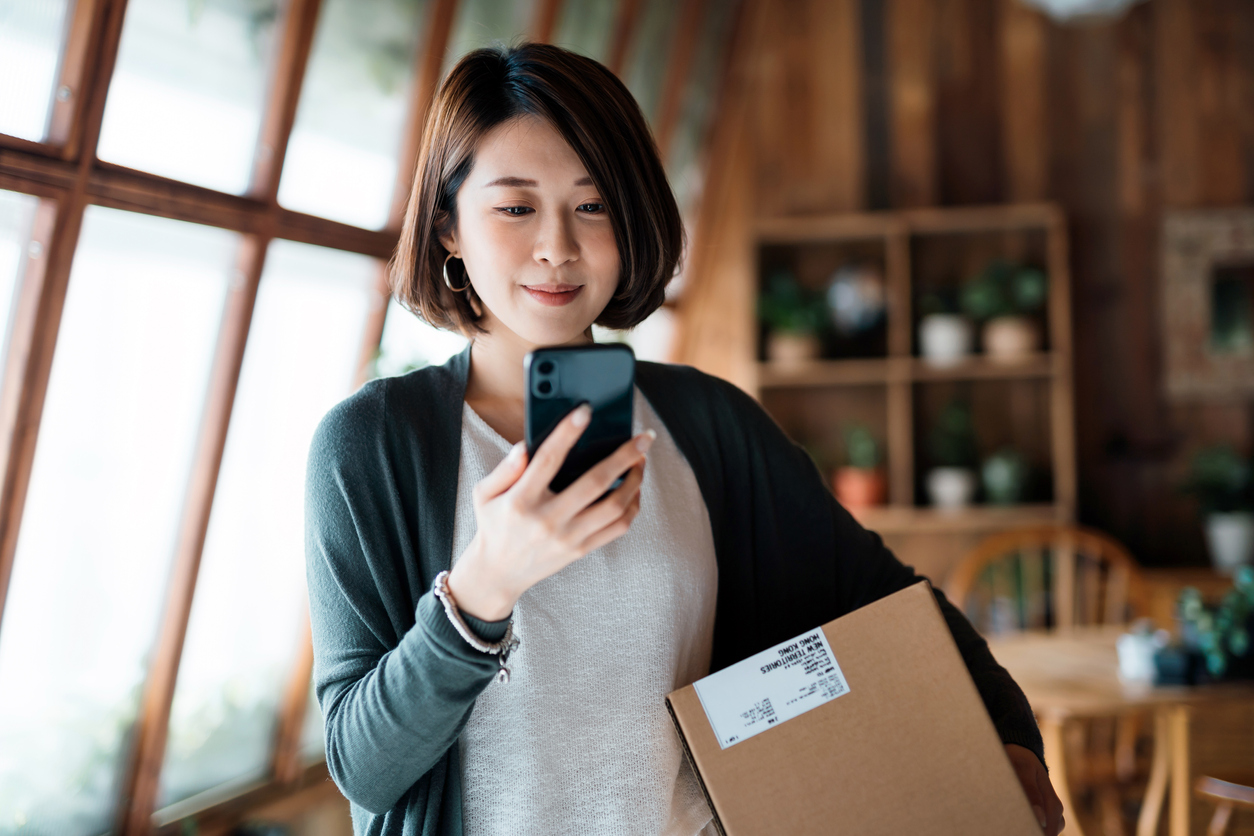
(540, 207)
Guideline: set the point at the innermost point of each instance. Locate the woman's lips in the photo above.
(553, 294)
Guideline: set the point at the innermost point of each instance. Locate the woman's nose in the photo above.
(556, 242)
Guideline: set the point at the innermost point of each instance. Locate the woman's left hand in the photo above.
(1045, 804)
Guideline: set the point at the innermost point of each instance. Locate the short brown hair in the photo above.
(596, 114)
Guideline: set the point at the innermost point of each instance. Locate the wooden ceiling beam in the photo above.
(544, 20)
(708, 317)
(626, 24)
(428, 62)
(678, 71)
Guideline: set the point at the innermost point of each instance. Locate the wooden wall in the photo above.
(875, 104)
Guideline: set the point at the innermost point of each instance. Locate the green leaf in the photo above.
(1239, 641)
(1029, 289)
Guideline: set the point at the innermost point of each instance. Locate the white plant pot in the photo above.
(1010, 339)
(789, 349)
(951, 488)
(1230, 539)
(945, 339)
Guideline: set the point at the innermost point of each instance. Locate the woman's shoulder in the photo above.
(679, 383)
(384, 406)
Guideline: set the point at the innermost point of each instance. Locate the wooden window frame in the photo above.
(64, 172)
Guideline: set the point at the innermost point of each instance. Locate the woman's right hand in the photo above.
(525, 532)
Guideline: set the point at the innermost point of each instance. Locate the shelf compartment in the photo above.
(1012, 414)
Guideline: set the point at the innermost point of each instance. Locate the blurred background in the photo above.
(990, 261)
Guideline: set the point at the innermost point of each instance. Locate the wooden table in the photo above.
(1075, 675)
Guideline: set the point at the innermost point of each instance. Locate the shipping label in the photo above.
(771, 687)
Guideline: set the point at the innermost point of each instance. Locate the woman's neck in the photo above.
(495, 388)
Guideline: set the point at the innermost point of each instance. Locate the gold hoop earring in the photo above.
(449, 284)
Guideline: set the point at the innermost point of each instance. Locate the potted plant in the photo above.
(1007, 298)
(951, 481)
(1221, 480)
(1214, 643)
(945, 335)
(860, 483)
(793, 317)
(1005, 477)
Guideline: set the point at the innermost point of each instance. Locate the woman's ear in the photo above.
(448, 240)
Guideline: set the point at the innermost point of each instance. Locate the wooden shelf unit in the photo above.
(899, 373)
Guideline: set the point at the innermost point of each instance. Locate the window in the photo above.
(246, 619)
(178, 337)
(119, 426)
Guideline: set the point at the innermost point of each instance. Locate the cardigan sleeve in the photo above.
(395, 684)
(866, 570)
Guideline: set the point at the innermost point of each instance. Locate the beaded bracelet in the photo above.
(501, 649)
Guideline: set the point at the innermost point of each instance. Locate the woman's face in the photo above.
(534, 235)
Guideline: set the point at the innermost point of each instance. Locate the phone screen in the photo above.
(559, 379)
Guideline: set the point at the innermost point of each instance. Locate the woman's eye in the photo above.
(516, 211)
(595, 207)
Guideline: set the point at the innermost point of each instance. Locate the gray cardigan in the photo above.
(395, 681)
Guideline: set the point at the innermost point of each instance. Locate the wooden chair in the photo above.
(1056, 578)
(1227, 796)
(1048, 578)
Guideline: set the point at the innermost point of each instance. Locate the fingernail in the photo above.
(515, 452)
(645, 441)
(583, 414)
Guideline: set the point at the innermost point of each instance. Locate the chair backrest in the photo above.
(1050, 577)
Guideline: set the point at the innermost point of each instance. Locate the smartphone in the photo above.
(561, 378)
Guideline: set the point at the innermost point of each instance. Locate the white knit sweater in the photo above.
(579, 741)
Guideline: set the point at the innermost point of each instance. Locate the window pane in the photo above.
(480, 23)
(650, 54)
(16, 213)
(31, 35)
(186, 97)
(585, 27)
(246, 620)
(409, 343)
(341, 160)
(110, 472)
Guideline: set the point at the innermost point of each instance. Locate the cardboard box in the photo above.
(891, 738)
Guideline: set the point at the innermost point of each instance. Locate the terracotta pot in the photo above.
(791, 349)
(857, 487)
(951, 488)
(1010, 339)
(945, 339)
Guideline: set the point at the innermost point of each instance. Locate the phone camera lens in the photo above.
(546, 367)
(544, 387)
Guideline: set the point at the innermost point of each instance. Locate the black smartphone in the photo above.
(560, 379)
